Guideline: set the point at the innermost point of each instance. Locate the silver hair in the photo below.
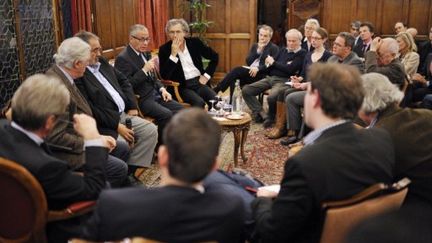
(379, 93)
(173, 22)
(294, 31)
(135, 28)
(313, 22)
(38, 97)
(392, 45)
(71, 50)
(266, 27)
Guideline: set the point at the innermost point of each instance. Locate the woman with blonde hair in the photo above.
(407, 53)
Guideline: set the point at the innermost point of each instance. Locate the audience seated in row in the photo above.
(337, 161)
(181, 210)
(256, 68)
(33, 119)
(111, 98)
(71, 60)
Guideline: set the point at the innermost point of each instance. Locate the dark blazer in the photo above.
(304, 45)
(343, 161)
(61, 186)
(352, 59)
(105, 110)
(130, 64)
(197, 49)
(394, 71)
(424, 50)
(64, 141)
(358, 48)
(168, 214)
(269, 50)
(411, 132)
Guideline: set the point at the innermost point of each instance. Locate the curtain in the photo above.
(81, 15)
(154, 15)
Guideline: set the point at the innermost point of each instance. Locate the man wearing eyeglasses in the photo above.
(140, 68)
(382, 58)
(342, 51)
(112, 100)
(181, 61)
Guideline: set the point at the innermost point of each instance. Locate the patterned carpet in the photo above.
(266, 158)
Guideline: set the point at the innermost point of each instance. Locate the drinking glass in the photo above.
(212, 110)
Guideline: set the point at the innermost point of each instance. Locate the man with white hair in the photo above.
(71, 60)
(287, 63)
(410, 130)
(310, 26)
(37, 106)
(383, 58)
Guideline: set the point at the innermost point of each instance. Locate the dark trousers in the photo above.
(196, 93)
(160, 110)
(240, 73)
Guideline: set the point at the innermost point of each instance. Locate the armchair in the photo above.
(23, 206)
(342, 216)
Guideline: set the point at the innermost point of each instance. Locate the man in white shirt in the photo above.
(181, 61)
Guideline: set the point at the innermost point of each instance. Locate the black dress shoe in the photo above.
(257, 118)
(289, 140)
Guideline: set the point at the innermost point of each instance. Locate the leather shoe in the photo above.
(288, 140)
(257, 118)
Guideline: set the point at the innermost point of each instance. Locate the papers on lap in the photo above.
(272, 188)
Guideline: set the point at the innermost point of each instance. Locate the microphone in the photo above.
(147, 55)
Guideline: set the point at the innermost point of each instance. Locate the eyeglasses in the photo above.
(97, 49)
(141, 39)
(337, 44)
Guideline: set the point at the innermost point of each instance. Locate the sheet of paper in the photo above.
(272, 188)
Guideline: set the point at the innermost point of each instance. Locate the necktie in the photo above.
(364, 48)
(46, 148)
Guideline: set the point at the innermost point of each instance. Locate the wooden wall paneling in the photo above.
(232, 33)
(420, 17)
(391, 12)
(112, 20)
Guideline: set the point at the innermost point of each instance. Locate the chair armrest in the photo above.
(73, 210)
(175, 86)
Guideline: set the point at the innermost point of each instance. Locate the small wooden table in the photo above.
(240, 129)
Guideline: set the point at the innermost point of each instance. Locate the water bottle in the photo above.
(237, 99)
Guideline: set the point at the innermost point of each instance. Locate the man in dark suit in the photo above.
(181, 61)
(36, 106)
(256, 67)
(66, 144)
(342, 51)
(410, 130)
(140, 68)
(366, 35)
(112, 101)
(181, 210)
(337, 161)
